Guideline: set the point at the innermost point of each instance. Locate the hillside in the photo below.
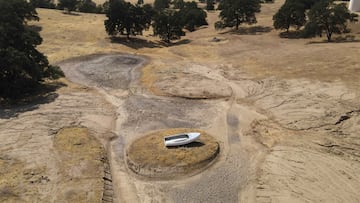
(286, 113)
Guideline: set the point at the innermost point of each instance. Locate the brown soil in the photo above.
(149, 157)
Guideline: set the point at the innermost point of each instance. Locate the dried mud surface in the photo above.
(286, 113)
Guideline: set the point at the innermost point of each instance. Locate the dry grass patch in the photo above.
(10, 176)
(149, 76)
(81, 164)
(148, 155)
(78, 139)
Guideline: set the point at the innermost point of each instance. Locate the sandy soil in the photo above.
(286, 112)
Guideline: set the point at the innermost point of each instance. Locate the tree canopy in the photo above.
(70, 5)
(192, 16)
(235, 12)
(88, 6)
(178, 4)
(291, 13)
(21, 62)
(210, 5)
(160, 5)
(168, 25)
(319, 17)
(127, 19)
(43, 3)
(168, 22)
(327, 17)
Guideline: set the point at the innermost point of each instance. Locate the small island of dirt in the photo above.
(149, 157)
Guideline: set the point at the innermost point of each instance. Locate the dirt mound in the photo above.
(149, 157)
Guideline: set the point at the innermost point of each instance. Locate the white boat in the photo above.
(180, 139)
(354, 5)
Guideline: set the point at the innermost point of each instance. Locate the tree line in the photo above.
(167, 18)
(85, 6)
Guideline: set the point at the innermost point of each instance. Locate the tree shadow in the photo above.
(71, 13)
(176, 43)
(339, 39)
(138, 43)
(190, 145)
(253, 30)
(29, 101)
(292, 34)
(35, 28)
(135, 43)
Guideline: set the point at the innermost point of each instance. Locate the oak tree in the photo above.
(69, 5)
(290, 14)
(192, 16)
(329, 18)
(168, 25)
(235, 12)
(21, 63)
(127, 19)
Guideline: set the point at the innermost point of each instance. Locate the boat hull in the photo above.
(180, 139)
(354, 5)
